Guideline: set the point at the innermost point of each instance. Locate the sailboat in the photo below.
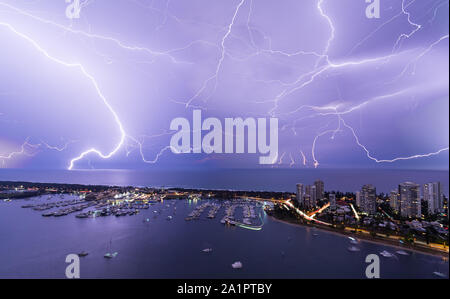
(236, 265)
(110, 255)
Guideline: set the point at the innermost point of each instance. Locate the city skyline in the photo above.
(408, 200)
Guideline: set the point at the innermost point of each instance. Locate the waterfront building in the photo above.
(300, 193)
(394, 200)
(432, 195)
(310, 196)
(320, 189)
(409, 199)
(368, 199)
(307, 201)
(358, 199)
(332, 198)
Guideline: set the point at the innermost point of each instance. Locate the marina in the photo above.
(111, 246)
(248, 218)
(99, 208)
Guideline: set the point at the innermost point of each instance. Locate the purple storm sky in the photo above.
(348, 91)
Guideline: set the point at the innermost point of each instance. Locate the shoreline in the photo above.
(64, 188)
(364, 238)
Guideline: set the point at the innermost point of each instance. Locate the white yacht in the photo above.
(236, 265)
(386, 253)
(353, 241)
(353, 249)
(440, 274)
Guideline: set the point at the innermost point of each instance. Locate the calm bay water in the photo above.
(32, 246)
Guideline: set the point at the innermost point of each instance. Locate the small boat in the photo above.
(439, 274)
(315, 235)
(169, 217)
(353, 249)
(401, 252)
(207, 250)
(82, 254)
(236, 265)
(110, 255)
(386, 253)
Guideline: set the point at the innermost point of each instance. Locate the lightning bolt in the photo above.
(119, 43)
(404, 36)
(292, 160)
(322, 66)
(22, 151)
(303, 157)
(58, 149)
(94, 83)
(368, 36)
(27, 145)
(369, 155)
(214, 77)
(332, 34)
(330, 65)
(422, 54)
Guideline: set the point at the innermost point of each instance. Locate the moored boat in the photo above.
(83, 253)
(386, 254)
(439, 274)
(237, 265)
(353, 249)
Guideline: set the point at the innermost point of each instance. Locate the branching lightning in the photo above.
(394, 159)
(404, 36)
(322, 66)
(301, 83)
(214, 77)
(94, 83)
